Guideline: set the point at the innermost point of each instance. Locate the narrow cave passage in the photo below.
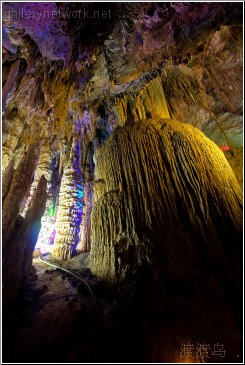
(122, 176)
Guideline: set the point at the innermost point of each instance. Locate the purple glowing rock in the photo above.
(42, 22)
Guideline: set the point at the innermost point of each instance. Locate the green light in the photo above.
(51, 211)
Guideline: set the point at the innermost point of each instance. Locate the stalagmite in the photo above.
(69, 213)
(166, 194)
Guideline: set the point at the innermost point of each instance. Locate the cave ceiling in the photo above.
(65, 57)
(132, 39)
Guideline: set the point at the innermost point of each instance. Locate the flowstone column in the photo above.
(69, 215)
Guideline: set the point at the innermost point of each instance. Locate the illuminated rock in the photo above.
(20, 234)
(42, 169)
(69, 214)
(168, 191)
(20, 185)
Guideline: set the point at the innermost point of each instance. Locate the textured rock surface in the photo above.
(19, 243)
(69, 213)
(156, 176)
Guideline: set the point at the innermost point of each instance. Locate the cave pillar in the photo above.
(69, 214)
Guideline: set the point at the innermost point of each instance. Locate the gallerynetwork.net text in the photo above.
(37, 15)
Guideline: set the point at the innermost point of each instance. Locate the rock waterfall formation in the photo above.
(155, 176)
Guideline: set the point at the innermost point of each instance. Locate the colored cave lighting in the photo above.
(51, 211)
(46, 238)
(224, 148)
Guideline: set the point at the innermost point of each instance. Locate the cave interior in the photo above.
(122, 177)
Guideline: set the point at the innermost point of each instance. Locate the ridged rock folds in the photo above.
(164, 193)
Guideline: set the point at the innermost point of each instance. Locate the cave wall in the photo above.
(19, 233)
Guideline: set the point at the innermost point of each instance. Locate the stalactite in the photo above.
(158, 106)
(86, 153)
(69, 213)
(167, 184)
(146, 101)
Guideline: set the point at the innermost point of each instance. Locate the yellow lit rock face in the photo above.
(57, 93)
(155, 92)
(12, 130)
(149, 101)
(165, 193)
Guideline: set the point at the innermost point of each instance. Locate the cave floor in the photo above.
(55, 320)
(52, 318)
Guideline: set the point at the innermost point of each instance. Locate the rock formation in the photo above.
(155, 176)
(20, 234)
(69, 215)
